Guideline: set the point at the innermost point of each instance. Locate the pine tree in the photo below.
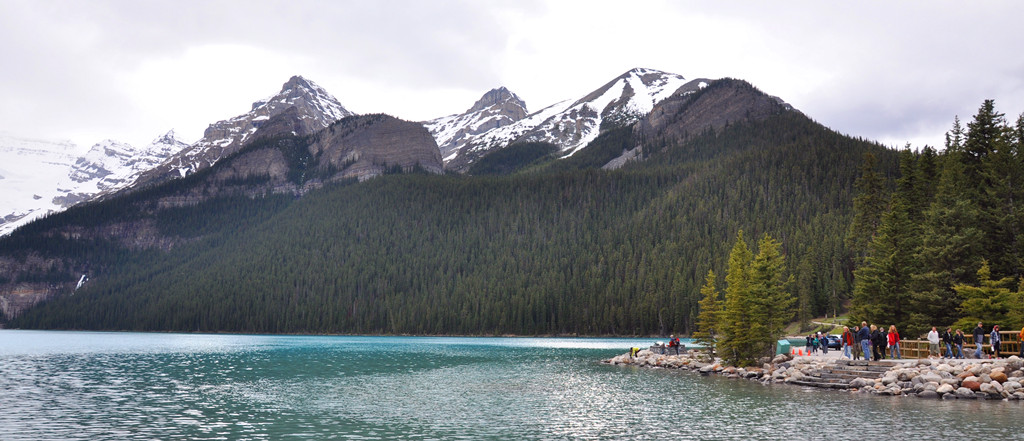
(881, 292)
(989, 301)
(868, 206)
(710, 311)
(769, 290)
(736, 319)
(805, 291)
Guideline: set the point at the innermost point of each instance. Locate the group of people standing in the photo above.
(870, 342)
(815, 341)
(951, 340)
(874, 341)
(957, 341)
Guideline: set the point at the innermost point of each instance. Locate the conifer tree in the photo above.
(769, 290)
(989, 301)
(868, 206)
(710, 311)
(881, 292)
(805, 291)
(736, 320)
(758, 304)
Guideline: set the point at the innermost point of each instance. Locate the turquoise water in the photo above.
(114, 386)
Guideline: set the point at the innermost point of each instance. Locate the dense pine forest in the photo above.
(529, 245)
(946, 246)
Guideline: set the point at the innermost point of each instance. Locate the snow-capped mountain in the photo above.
(497, 108)
(29, 170)
(42, 177)
(571, 125)
(316, 109)
(110, 166)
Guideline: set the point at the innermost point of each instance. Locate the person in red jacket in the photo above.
(848, 340)
(894, 342)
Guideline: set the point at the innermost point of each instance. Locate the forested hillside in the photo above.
(562, 249)
(946, 248)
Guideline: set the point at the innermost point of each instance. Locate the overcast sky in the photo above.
(130, 70)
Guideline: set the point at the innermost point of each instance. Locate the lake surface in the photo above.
(116, 386)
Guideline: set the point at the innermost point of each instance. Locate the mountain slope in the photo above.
(551, 251)
(497, 108)
(572, 125)
(110, 166)
(49, 177)
(315, 107)
(29, 169)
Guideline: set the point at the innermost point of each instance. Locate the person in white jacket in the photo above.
(933, 343)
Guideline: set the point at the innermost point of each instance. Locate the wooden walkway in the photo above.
(919, 348)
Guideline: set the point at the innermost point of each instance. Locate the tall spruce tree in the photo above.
(990, 301)
(758, 304)
(710, 311)
(772, 300)
(868, 205)
(881, 292)
(737, 316)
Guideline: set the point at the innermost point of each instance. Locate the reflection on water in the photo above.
(70, 386)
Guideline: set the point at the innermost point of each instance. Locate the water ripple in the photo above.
(107, 386)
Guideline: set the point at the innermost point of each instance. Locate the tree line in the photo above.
(556, 249)
(945, 247)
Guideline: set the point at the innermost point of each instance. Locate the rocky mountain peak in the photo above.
(570, 125)
(315, 109)
(498, 107)
(168, 138)
(502, 97)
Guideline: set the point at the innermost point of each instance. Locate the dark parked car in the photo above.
(834, 342)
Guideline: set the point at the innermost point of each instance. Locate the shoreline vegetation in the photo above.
(978, 379)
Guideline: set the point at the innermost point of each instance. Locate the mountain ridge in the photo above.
(570, 125)
(316, 109)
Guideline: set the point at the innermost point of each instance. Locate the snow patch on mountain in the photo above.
(47, 176)
(497, 108)
(30, 167)
(570, 125)
(316, 108)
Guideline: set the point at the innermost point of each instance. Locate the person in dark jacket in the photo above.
(864, 334)
(947, 339)
(958, 341)
(979, 339)
(857, 348)
(878, 340)
(996, 340)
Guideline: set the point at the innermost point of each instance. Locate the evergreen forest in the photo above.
(945, 246)
(528, 245)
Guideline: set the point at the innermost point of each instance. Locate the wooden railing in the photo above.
(919, 348)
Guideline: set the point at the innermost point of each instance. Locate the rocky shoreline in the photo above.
(999, 379)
